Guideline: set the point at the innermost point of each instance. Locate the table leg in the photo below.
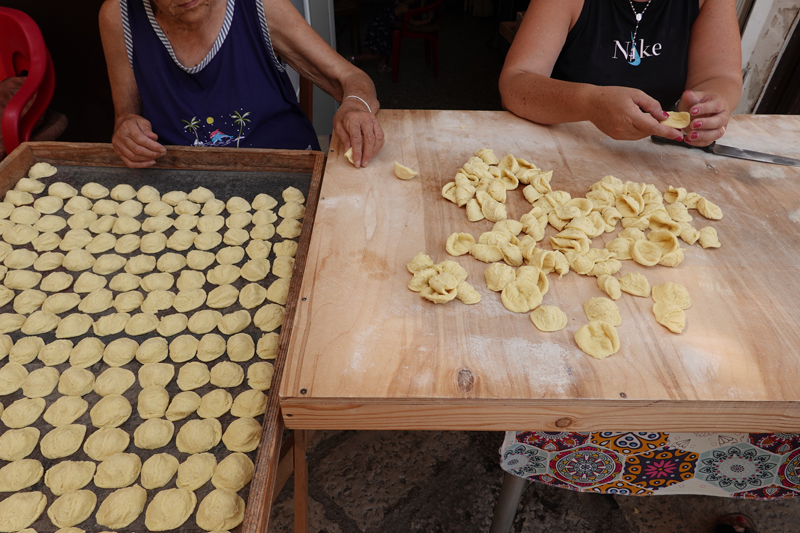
(300, 481)
(506, 507)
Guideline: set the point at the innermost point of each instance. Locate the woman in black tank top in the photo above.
(607, 61)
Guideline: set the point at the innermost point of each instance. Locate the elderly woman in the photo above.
(212, 73)
(606, 61)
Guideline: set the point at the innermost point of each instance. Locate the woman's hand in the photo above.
(358, 128)
(617, 112)
(710, 115)
(135, 143)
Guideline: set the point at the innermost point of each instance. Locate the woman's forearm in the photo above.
(728, 88)
(544, 100)
(359, 84)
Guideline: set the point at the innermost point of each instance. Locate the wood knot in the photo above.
(564, 422)
(466, 381)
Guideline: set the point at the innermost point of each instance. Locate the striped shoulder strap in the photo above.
(262, 18)
(126, 29)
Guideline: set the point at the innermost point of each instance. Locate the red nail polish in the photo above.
(695, 135)
(679, 138)
(666, 114)
(695, 111)
(740, 519)
(697, 124)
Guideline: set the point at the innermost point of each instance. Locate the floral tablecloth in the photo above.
(739, 465)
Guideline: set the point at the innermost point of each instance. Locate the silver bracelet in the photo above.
(359, 98)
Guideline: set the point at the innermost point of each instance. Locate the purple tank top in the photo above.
(238, 96)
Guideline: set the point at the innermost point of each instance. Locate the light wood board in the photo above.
(367, 353)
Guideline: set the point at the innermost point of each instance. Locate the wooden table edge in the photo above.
(540, 415)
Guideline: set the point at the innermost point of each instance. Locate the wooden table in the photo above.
(367, 353)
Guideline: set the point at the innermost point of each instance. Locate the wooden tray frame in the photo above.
(274, 460)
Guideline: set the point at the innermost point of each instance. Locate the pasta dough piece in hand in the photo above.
(603, 309)
(403, 172)
(549, 318)
(677, 120)
(598, 339)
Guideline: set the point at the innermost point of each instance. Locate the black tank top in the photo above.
(599, 48)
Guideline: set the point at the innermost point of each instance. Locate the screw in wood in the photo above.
(622, 394)
(303, 391)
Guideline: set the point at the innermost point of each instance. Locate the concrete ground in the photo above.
(447, 482)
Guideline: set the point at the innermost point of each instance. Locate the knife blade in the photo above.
(730, 151)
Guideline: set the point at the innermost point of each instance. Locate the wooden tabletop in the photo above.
(367, 353)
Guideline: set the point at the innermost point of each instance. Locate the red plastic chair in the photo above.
(22, 49)
(428, 32)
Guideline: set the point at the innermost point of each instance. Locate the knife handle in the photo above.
(662, 140)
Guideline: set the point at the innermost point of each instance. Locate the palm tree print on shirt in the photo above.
(240, 121)
(192, 125)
